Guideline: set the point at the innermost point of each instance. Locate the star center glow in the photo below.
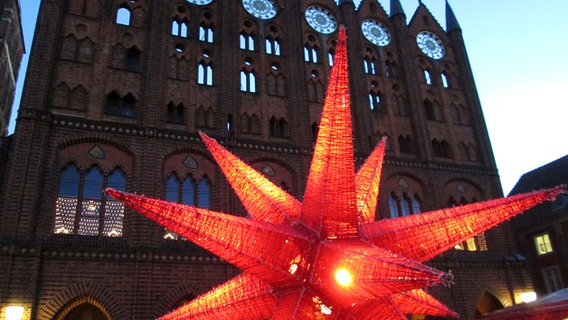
(343, 277)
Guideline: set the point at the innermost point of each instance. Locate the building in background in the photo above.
(11, 51)
(542, 232)
(117, 90)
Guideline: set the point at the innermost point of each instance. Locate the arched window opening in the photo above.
(272, 46)
(248, 81)
(311, 54)
(445, 81)
(123, 16)
(205, 33)
(427, 77)
(204, 74)
(374, 101)
(330, 57)
(246, 41)
(370, 66)
(179, 28)
(83, 209)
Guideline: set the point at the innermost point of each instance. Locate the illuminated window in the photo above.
(179, 28)
(246, 42)
(427, 77)
(123, 16)
(445, 82)
(370, 66)
(272, 46)
(206, 33)
(82, 208)
(248, 81)
(542, 243)
(311, 54)
(374, 101)
(330, 57)
(204, 74)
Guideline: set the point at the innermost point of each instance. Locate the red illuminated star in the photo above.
(325, 257)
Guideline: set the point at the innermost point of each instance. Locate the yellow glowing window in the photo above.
(542, 243)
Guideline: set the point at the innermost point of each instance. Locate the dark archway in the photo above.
(487, 303)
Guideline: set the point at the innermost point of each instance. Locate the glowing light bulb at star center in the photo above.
(343, 277)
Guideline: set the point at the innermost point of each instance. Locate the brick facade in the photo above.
(86, 60)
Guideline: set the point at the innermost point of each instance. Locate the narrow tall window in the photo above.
(206, 34)
(179, 28)
(374, 101)
(370, 66)
(444, 79)
(246, 42)
(123, 16)
(132, 61)
(427, 77)
(204, 74)
(311, 54)
(248, 81)
(330, 57)
(272, 46)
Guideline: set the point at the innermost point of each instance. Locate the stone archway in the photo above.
(487, 303)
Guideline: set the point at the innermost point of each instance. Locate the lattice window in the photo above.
(82, 208)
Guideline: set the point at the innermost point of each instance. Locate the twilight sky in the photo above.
(518, 52)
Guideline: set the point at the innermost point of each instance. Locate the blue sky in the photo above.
(517, 50)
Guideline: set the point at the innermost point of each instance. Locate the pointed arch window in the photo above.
(311, 54)
(179, 28)
(445, 81)
(204, 74)
(246, 41)
(248, 81)
(206, 33)
(374, 101)
(330, 57)
(123, 16)
(427, 77)
(272, 46)
(82, 208)
(370, 66)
